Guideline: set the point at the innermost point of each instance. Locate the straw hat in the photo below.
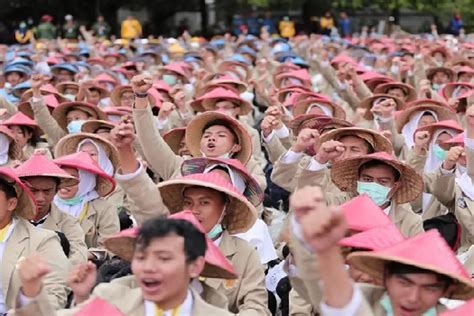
(224, 79)
(448, 90)
(208, 101)
(457, 140)
(443, 113)
(174, 137)
(283, 92)
(373, 83)
(40, 166)
(69, 143)
(92, 126)
(301, 107)
(14, 152)
(300, 74)
(50, 100)
(83, 161)
(20, 119)
(345, 175)
(374, 239)
(409, 91)
(61, 87)
(252, 192)
(363, 214)
(26, 206)
(197, 124)
(421, 251)
(117, 92)
(176, 68)
(368, 102)
(47, 89)
(240, 213)
(378, 142)
(449, 124)
(430, 72)
(231, 65)
(61, 111)
(217, 266)
(321, 123)
(426, 102)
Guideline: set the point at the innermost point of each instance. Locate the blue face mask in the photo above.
(72, 201)
(170, 79)
(439, 152)
(75, 126)
(377, 193)
(215, 231)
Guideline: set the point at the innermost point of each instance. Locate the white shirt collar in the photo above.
(387, 209)
(185, 309)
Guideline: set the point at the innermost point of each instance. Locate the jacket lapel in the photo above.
(88, 222)
(14, 249)
(52, 220)
(228, 248)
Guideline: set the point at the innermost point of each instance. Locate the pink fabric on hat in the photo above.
(99, 306)
(374, 239)
(363, 214)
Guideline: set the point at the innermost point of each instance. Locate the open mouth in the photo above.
(150, 285)
(408, 311)
(211, 145)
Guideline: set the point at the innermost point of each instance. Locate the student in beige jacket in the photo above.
(168, 254)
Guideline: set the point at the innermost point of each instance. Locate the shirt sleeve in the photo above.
(469, 143)
(129, 176)
(350, 309)
(291, 157)
(160, 124)
(269, 137)
(314, 165)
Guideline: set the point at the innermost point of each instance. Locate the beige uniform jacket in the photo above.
(434, 207)
(247, 295)
(450, 194)
(286, 175)
(100, 222)
(162, 159)
(59, 221)
(48, 124)
(24, 241)
(113, 293)
(309, 289)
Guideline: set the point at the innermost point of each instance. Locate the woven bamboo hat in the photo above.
(442, 113)
(194, 133)
(378, 142)
(240, 213)
(421, 251)
(345, 175)
(26, 206)
(409, 91)
(216, 266)
(105, 184)
(60, 113)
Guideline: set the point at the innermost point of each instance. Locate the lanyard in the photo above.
(83, 212)
(4, 231)
(160, 312)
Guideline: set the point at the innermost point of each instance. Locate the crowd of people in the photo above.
(237, 175)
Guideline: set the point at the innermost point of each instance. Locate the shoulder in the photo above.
(101, 203)
(115, 291)
(201, 308)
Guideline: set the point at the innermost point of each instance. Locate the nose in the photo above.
(414, 295)
(149, 265)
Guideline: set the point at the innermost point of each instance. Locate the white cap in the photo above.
(68, 17)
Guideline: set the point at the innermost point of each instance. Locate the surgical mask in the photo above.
(72, 201)
(439, 152)
(377, 193)
(75, 126)
(215, 231)
(70, 97)
(170, 79)
(436, 86)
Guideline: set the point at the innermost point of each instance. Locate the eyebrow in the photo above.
(404, 277)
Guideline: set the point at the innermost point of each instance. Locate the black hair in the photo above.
(194, 240)
(377, 163)
(221, 122)
(26, 129)
(397, 268)
(8, 188)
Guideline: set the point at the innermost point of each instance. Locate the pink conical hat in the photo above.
(363, 214)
